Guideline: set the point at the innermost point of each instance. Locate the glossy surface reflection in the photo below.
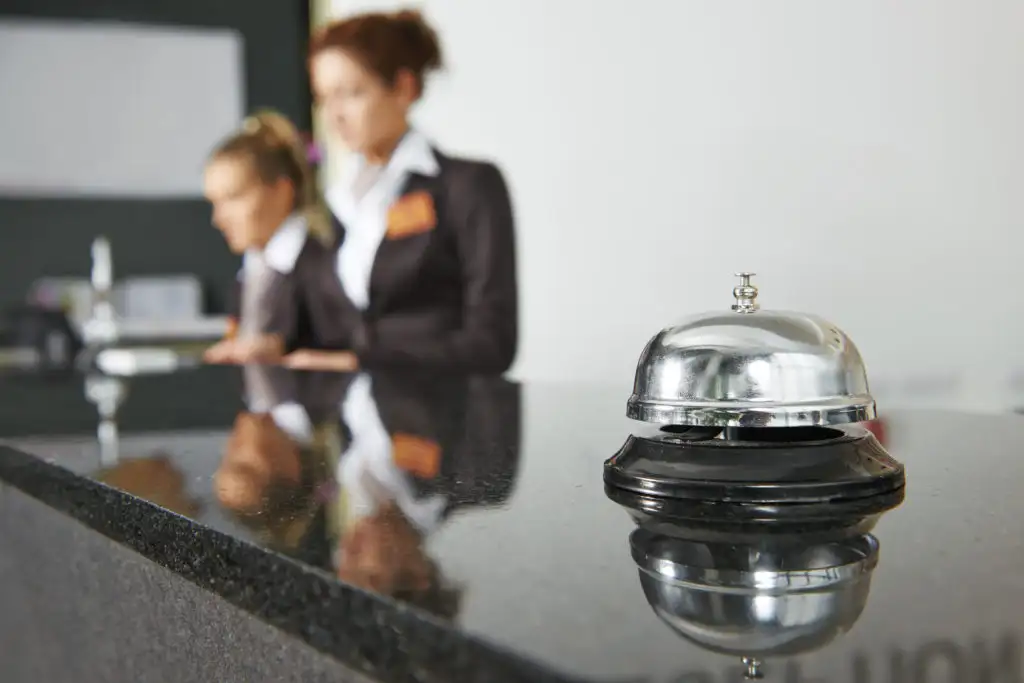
(480, 504)
(352, 473)
(755, 596)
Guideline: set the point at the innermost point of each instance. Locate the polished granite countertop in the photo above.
(423, 528)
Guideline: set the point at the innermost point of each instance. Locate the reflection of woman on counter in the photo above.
(265, 203)
(425, 272)
(383, 519)
(409, 451)
(420, 448)
(275, 464)
(154, 478)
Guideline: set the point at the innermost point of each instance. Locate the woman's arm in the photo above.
(315, 359)
(480, 210)
(278, 331)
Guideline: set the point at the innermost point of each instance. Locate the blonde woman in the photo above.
(265, 203)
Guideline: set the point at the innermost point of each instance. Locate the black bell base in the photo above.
(762, 476)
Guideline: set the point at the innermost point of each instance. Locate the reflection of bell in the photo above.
(755, 596)
(750, 418)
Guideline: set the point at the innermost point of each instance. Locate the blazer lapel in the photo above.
(331, 283)
(337, 227)
(399, 255)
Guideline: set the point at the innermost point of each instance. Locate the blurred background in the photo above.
(865, 159)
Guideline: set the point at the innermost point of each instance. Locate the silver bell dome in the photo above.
(751, 368)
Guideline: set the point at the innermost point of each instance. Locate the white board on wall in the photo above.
(113, 109)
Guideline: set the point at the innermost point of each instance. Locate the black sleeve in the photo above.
(481, 213)
(284, 300)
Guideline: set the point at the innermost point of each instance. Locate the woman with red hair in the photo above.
(424, 272)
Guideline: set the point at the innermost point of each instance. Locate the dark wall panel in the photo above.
(149, 236)
(52, 236)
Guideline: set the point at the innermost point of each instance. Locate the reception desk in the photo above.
(244, 524)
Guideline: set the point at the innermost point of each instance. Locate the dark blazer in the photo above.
(445, 298)
(475, 423)
(284, 302)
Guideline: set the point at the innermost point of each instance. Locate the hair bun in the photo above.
(386, 43)
(410, 15)
(421, 38)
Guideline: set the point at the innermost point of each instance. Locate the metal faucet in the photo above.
(100, 328)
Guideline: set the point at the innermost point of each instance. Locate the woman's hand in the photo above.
(265, 348)
(309, 359)
(221, 352)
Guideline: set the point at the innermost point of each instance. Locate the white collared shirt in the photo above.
(365, 217)
(258, 266)
(283, 248)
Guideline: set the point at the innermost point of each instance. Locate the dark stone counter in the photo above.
(277, 526)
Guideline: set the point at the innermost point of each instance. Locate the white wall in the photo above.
(865, 158)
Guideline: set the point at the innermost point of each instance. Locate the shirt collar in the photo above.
(293, 420)
(283, 248)
(413, 154)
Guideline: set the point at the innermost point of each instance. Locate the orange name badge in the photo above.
(411, 215)
(416, 455)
